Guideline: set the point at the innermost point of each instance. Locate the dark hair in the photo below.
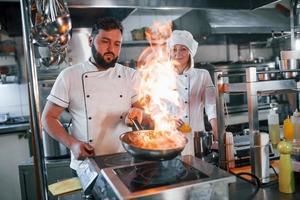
(107, 24)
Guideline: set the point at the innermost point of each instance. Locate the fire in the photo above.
(158, 85)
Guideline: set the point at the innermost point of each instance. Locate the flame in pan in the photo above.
(158, 92)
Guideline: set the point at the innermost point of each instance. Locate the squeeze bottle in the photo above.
(273, 125)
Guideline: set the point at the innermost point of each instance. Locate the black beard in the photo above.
(100, 60)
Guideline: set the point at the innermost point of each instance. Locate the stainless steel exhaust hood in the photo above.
(84, 12)
(213, 21)
(206, 17)
(195, 4)
(86, 17)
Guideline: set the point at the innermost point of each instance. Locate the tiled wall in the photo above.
(14, 99)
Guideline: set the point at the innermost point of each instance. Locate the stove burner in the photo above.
(155, 174)
(161, 172)
(118, 159)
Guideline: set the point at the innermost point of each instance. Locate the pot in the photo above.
(264, 76)
(147, 154)
(202, 143)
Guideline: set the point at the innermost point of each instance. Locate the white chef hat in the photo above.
(184, 38)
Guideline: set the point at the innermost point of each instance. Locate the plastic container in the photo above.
(288, 129)
(273, 124)
(296, 122)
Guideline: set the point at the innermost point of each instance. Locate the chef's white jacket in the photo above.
(197, 92)
(98, 102)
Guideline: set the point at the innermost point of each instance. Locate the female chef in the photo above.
(195, 86)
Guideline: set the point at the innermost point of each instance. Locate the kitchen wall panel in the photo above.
(14, 99)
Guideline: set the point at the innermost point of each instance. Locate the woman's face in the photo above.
(180, 55)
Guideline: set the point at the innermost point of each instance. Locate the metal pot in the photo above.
(264, 76)
(202, 143)
(147, 154)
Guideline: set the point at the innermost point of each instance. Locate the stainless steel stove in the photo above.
(120, 176)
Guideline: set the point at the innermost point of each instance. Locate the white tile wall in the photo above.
(14, 99)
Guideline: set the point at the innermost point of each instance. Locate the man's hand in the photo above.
(82, 150)
(134, 113)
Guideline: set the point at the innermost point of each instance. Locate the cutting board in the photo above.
(65, 186)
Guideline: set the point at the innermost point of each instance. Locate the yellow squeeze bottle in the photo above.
(286, 174)
(288, 129)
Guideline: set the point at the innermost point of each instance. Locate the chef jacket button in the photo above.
(186, 75)
(90, 118)
(185, 102)
(90, 140)
(88, 96)
(186, 116)
(86, 76)
(119, 76)
(121, 96)
(121, 117)
(186, 88)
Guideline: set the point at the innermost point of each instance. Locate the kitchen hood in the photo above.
(84, 13)
(214, 21)
(86, 17)
(163, 4)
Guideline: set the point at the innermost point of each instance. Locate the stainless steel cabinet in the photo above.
(56, 171)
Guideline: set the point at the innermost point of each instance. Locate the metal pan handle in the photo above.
(136, 125)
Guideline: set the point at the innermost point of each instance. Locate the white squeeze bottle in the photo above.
(273, 124)
(296, 122)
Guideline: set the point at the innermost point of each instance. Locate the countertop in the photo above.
(241, 189)
(15, 124)
(12, 128)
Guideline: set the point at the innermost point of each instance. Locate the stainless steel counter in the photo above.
(239, 190)
(12, 128)
(244, 190)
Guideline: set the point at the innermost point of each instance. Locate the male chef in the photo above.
(98, 93)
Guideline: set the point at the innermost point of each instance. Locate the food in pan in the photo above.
(157, 140)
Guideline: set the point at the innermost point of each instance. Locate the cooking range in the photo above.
(120, 176)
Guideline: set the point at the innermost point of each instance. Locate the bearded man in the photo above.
(98, 93)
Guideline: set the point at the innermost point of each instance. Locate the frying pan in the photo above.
(147, 154)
